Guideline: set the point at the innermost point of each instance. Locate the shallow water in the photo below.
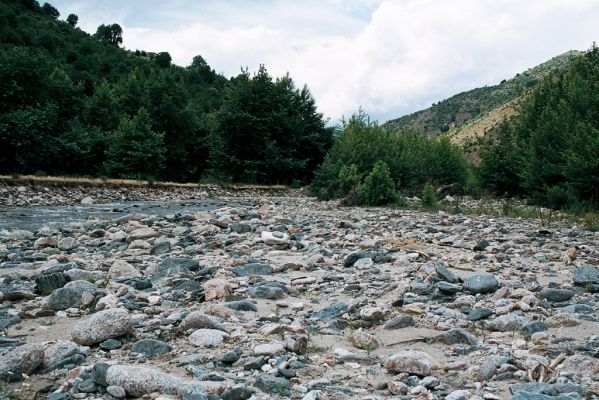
(33, 218)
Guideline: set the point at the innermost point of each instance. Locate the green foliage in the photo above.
(64, 94)
(135, 151)
(349, 179)
(112, 34)
(463, 107)
(412, 158)
(378, 187)
(428, 197)
(270, 131)
(549, 151)
(72, 20)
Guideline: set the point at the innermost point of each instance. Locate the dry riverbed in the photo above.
(298, 298)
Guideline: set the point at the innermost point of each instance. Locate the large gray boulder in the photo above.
(102, 325)
(22, 360)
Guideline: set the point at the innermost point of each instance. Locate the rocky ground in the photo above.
(25, 193)
(300, 299)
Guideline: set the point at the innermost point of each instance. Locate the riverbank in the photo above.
(299, 298)
(33, 190)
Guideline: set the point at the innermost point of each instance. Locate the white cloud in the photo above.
(390, 57)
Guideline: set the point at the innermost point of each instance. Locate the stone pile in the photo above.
(302, 299)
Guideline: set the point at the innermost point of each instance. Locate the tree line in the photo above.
(79, 104)
(548, 152)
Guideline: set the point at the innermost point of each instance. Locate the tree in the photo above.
(135, 151)
(50, 11)
(112, 34)
(378, 187)
(72, 20)
(272, 132)
(163, 59)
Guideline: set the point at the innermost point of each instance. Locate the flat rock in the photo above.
(413, 362)
(331, 311)
(252, 269)
(208, 337)
(139, 380)
(151, 347)
(480, 282)
(71, 295)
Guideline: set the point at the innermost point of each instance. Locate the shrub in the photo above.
(428, 197)
(378, 187)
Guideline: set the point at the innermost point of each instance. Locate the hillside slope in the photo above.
(456, 111)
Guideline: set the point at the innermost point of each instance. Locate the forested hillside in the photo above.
(550, 150)
(78, 104)
(463, 107)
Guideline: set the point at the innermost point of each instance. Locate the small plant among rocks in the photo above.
(428, 198)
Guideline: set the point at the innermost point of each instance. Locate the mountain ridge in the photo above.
(448, 115)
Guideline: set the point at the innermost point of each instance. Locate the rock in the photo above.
(459, 395)
(111, 344)
(87, 200)
(87, 386)
(272, 384)
(456, 336)
(554, 294)
(138, 380)
(217, 289)
(240, 228)
(151, 347)
(208, 337)
(98, 374)
(269, 349)
(122, 269)
(173, 266)
(584, 276)
(66, 244)
(71, 295)
(45, 241)
(413, 362)
(198, 320)
(238, 393)
(22, 360)
(450, 288)
(479, 313)
(193, 392)
(46, 284)
(58, 354)
(268, 290)
(142, 233)
(242, 305)
(535, 327)
(351, 259)
(445, 274)
(480, 282)
(364, 340)
(545, 388)
(399, 322)
(331, 312)
(116, 391)
(508, 322)
(297, 344)
(160, 247)
(252, 269)
(275, 238)
(102, 325)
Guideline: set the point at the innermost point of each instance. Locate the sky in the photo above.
(388, 57)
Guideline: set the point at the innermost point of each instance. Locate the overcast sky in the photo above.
(391, 57)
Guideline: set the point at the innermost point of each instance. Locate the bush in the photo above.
(378, 187)
(428, 197)
(412, 158)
